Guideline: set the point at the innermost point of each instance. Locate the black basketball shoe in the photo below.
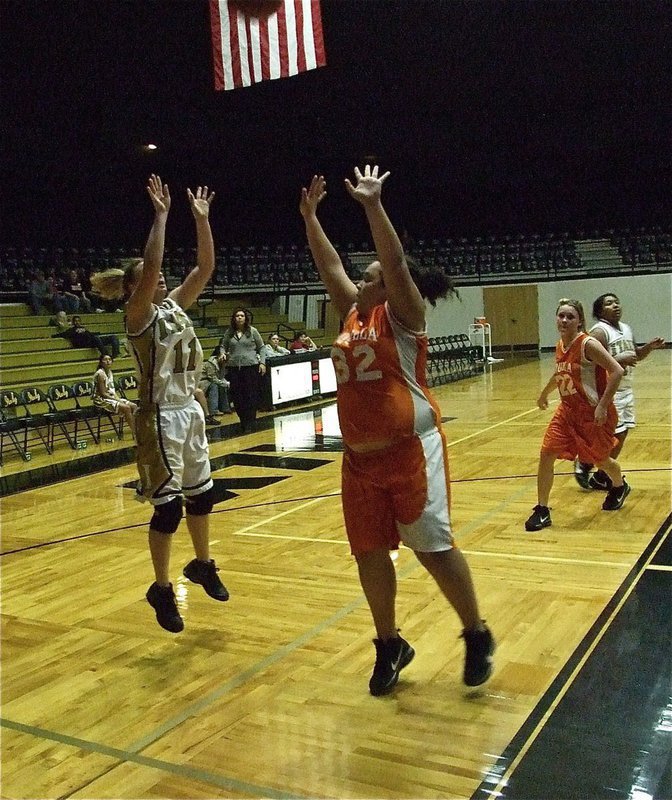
(162, 600)
(391, 657)
(478, 658)
(616, 497)
(540, 518)
(205, 574)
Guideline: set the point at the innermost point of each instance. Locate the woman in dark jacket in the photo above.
(246, 361)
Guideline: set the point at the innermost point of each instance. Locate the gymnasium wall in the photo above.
(647, 305)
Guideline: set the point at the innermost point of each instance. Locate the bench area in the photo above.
(45, 383)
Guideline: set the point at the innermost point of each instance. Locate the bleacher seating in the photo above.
(58, 407)
(644, 249)
(282, 266)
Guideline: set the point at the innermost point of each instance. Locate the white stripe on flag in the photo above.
(238, 41)
(226, 46)
(245, 76)
(308, 40)
(274, 47)
(292, 60)
(255, 46)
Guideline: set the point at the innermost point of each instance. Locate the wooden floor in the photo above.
(266, 695)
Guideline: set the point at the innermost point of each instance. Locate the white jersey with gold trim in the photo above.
(619, 340)
(168, 357)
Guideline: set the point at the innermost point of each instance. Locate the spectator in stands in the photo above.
(302, 343)
(79, 336)
(273, 348)
(583, 424)
(246, 361)
(41, 294)
(395, 483)
(105, 394)
(617, 338)
(63, 298)
(215, 386)
(60, 321)
(76, 289)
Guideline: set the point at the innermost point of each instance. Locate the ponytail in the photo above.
(432, 281)
(115, 284)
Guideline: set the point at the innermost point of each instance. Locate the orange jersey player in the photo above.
(583, 424)
(382, 389)
(395, 483)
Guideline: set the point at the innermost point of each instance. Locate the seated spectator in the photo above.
(64, 300)
(104, 393)
(41, 294)
(60, 321)
(79, 336)
(302, 343)
(215, 386)
(273, 348)
(76, 289)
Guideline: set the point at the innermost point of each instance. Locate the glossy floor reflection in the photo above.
(602, 730)
(610, 734)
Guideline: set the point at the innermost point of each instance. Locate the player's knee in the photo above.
(167, 516)
(200, 504)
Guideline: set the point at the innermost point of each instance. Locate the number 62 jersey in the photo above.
(168, 357)
(380, 366)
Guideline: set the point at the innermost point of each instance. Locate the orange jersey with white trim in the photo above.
(380, 367)
(579, 380)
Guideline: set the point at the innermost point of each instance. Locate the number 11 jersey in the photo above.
(168, 357)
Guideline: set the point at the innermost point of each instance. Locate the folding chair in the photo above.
(127, 386)
(11, 425)
(67, 415)
(473, 352)
(458, 355)
(433, 360)
(83, 392)
(38, 414)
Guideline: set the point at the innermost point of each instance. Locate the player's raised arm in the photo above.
(342, 290)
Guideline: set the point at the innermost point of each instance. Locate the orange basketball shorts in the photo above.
(399, 494)
(573, 433)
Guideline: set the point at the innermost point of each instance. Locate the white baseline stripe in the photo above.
(496, 425)
(243, 531)
(507, 556)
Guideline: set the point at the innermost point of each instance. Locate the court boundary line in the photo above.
(512, 755)
(324, 496)
(316, 630)
(124, 757)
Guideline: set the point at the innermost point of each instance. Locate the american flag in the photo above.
(257, 41)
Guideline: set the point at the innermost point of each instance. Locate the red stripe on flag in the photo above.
(264, 48)
(216, 33)
(234, 44)
(250, 57)
(282, 42)
(318, 38)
